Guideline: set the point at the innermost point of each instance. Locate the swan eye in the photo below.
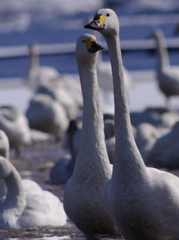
(107, 14)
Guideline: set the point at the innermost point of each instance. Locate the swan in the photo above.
(24, 208)
(167, 75)
(84, 199)
(164, 153)
(4, 152)
(143, 201)
(15, 125)
(47, 115)
(37, 74)
(146, 136)
(157, 116)
(56, 91)
(63, 168)
(45, 75)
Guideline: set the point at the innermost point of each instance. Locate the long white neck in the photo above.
(32, 70)
(162, 53)
(126, 151)
(15, 199)
(92, 143)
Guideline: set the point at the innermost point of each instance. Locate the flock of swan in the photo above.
(113, 183)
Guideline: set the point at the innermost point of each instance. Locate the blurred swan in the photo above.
(56, 91)
(63, 168)
(164, 153)
(37, 74)
(143, 202)
(146, 136)
(47, 115)
(157, 116)
(4, 152)
(49, 77)
(15, 125)
(84, 200)
(167, 75)
(22, 208)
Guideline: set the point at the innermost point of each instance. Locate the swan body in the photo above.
(44, 78)
(63, 168)
(146, 136)
(56, 91)
(36, 74)
(47, 115)
(164, 153)
(15, 125)
(167, 75)
(159, 117)
(84, 199)
(25, 208)
(143, 202)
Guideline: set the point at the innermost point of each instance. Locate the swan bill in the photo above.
(98, 22)
(95, 47)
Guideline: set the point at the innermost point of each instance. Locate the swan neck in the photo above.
(162, 54)
(15, 197)
(34, 60)
(92, 143)
(128, 153)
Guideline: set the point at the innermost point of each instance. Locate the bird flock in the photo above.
(115, 167)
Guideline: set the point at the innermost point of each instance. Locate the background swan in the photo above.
(15, 125)
(146, 136)
(37, 74)
(63, 168)
(45, 75)
(4, 152)
(143, 202)
(25, 207)
(167, 75)
(164, 153)
(84, 199)
(47, 115)
(56, 91)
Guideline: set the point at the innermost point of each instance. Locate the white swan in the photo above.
(146, 136)
(47, 115)
(64, 84)
(143, 202)
(15, 125)
(84, 199)
(167, 75)
(4, 152)
(23, 208)
(56, 91)
(164, 153)
(37, 74)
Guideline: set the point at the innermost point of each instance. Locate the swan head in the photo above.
(157, 34)
(105, 21)
(86, 46)
(34, 49)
